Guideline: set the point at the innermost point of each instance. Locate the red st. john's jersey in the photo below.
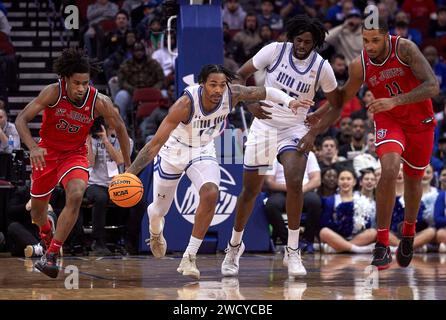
(65, 126)
(391, 78)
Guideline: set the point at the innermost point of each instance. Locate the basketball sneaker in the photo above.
(34, 250)
(188, 266)
(404, 252)
(157, 243)
(442, 247)
(382, 256)
(230, 265)
(48, 265)
(293, 260)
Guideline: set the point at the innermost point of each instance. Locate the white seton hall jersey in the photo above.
(298, 78)
(202, 126)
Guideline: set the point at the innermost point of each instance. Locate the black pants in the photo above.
(99, 196)
(20, 236)
(276, 205)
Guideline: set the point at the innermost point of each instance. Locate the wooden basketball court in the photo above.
(262, 276)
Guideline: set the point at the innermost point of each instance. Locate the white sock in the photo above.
(154, 222)
(393, 249)
(236, 237)
(194, 245)
(362, 249)
(293, 239)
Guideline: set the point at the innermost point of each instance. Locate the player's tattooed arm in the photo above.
(411, 55)
(243, 93)
(180, 111)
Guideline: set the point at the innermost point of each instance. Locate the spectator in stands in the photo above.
(276, 202)
(344, 135)
(99, 11)
(347, 219)
(442, 179)
(419, 9)
(268, 17)
(437, 27)
(426, 225)
(431, 54)
(147, 9)
(9, 137)
(367, 183)
(2, 105)
(329, 182)
(266, 34)
(117, 38)
(23, 234)
(166, 59)
(402, 22)
(367, 97)
(249, 37)
(152, 35)
(290, 8)
(339, 66)
(105, 158)
(233, 14)
(358, 143)
(130, 5)
(114, 61)
(347, 37)
(424, 234)
(329, 152)
(337, 13)
(233, 49)
(140, 71)
(150, 125)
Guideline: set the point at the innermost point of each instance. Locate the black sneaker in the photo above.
(48, 265)
(382, 256)
(404, 252)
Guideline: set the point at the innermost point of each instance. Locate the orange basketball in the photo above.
(125, 190)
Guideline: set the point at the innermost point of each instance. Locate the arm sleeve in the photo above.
(265, 56)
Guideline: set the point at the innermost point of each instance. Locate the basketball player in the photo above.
(402, 82)
(296, 68)
(184, 142)
(69, 108)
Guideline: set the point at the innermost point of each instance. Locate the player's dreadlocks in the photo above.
(215, 68)
(303, 23)
(75, 60)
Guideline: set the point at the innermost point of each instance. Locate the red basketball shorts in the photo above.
(61, 167)
(413, 144)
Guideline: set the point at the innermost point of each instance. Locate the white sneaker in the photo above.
(442, 247)
(230, 265)
(34, 251)
(188, 266)
(293, 261)
(157, 243)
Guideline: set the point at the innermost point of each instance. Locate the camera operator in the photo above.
(105, 160)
